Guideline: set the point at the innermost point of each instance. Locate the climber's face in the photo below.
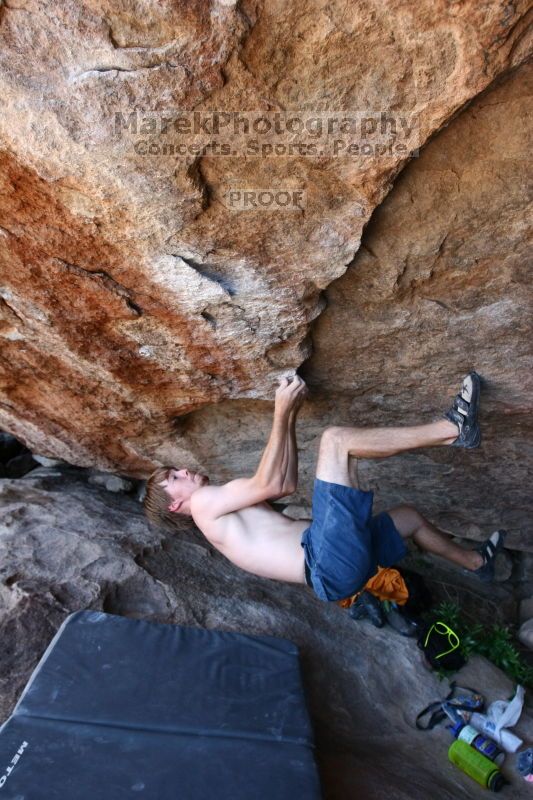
(180, 485)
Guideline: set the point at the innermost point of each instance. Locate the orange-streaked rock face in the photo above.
(132, 291)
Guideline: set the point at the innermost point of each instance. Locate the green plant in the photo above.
(496, 643)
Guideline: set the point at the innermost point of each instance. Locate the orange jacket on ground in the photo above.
(386, 584)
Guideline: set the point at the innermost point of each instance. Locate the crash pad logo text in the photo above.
(11, 766)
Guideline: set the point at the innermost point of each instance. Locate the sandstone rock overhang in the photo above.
(130, 294)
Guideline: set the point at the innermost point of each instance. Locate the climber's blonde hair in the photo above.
(156, 501)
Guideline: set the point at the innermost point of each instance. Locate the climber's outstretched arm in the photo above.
(276, 475)
(279, 463)
(291, 481)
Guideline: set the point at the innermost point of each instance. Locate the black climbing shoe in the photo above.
(464, 412)
(400, 622)
(489, 550)
(368, 607)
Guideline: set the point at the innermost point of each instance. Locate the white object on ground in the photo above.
(525, 633)
(501, 716)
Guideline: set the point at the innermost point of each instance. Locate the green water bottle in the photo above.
(478, 766)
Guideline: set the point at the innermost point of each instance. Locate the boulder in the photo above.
(132, 291)
(113, 483)
(525, 633)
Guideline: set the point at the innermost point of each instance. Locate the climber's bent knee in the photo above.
(407, 519)
(333, 458)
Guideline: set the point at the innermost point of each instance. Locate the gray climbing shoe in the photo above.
(464, 413)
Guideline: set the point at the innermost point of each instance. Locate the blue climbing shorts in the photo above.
(344, 544)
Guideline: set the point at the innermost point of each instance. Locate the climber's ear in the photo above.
(175, 505)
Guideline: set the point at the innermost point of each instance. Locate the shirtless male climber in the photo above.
(340, 549)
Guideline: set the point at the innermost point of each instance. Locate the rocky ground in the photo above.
(67, 544)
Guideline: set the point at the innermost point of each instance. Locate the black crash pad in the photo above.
(121, 708)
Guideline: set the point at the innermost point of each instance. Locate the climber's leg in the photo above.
(459, 428)
(338, 444)
(481, 561)
(344, 544)
(411, 524)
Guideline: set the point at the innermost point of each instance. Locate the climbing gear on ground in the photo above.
(456, 709)
(464, 412)
(440, 645)
(368, 607)
(386, 584)
(484, 744)
(401, 623)
(478, 766)
(524, 764)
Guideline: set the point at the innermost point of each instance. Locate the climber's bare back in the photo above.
(257, 538)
